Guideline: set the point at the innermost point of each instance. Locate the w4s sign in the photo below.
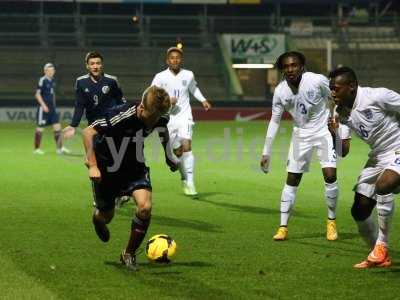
(261, 47)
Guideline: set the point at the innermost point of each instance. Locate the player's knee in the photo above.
(330, 179)
(57, 127)
(108, 218)
(178, 151)
(356, 213)
(329, 174)
(382, 188)
(362, 207)
(144, 210)
(293, 179)
(186, 148)
(104, 216)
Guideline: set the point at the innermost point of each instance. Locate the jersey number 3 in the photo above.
(302, 108)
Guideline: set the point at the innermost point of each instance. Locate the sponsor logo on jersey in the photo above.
(368, 114)
(105, 89)
(184, 82)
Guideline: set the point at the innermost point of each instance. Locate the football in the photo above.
(160, 248)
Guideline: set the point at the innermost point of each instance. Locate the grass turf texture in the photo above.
(48, 248)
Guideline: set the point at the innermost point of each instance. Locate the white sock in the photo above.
(188, 166)
(368, 230)
(385, 208)
(288, 199)
(331, 196)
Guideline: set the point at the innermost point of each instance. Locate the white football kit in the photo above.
(310, 112)
(375, 119)
(179, 86)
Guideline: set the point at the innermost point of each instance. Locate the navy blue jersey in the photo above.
(46, 89)
(123, 131)
(97, 99)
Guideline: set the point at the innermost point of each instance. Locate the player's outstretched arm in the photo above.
(273, 127)
(193, 88)
(90, 161)
(272, 130)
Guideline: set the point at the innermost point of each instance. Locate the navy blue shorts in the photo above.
(46, 119)
(117, 185)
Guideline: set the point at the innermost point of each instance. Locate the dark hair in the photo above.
(93, 54)
(346, 72)
(298, 55)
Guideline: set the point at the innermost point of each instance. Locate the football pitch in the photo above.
(48, 248)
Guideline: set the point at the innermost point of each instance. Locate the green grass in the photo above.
(48, 249)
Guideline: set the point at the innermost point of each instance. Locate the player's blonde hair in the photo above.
(156, 99)
(47, 66)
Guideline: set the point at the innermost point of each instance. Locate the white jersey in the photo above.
(308, 107)
(375, 119)
(178, 86)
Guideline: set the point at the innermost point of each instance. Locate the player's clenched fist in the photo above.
(333, 124)
(94, 174)
(207, 105)
(173, 100)
(264, 163)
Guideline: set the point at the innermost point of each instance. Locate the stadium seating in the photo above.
(134, 49)
(135, 68)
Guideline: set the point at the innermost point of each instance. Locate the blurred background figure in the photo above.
(46, 112)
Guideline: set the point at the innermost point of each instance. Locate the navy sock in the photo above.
(138, 232)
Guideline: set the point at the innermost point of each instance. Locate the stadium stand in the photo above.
(135, 67)
(134, 49)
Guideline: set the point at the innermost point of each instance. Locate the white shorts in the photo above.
(373, 169)
(301, 150)
(180, 129)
